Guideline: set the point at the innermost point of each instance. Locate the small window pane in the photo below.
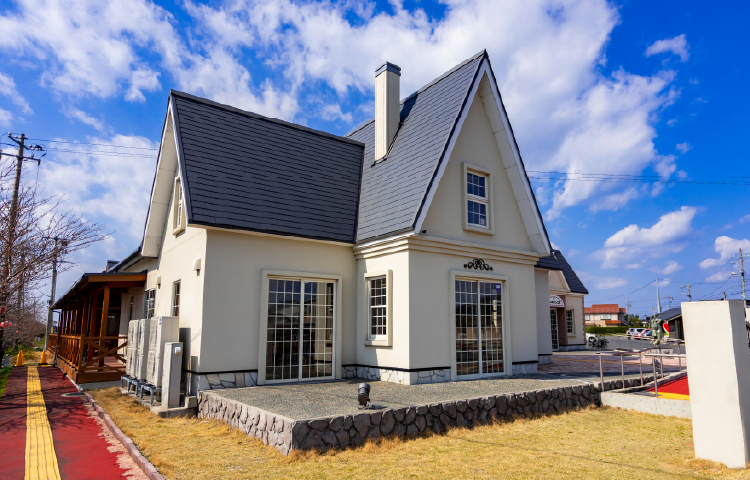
(475, 185)
(569, 321)
(378, 307)
(477, 213)
(176, 299)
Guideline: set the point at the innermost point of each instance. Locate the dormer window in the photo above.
(178, 211)
(477, 199)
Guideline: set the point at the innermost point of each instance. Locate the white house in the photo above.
(408, 250)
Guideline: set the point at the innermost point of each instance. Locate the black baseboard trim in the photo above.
(407, 370)
(525, 362)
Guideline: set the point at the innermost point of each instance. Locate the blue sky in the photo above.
(626, 88)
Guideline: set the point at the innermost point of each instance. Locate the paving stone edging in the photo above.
(342, 431)
(148, 469)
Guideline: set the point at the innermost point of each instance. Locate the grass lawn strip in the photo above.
(592, 443)
(4, 376)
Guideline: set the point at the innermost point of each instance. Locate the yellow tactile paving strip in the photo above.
(41, 461)
(674, 396)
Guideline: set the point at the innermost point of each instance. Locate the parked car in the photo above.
(633, 331)
(646, 333)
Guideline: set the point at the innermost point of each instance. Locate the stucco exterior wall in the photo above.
(543, 330)
(576, 303)
(397, 355)
(231, 313)
(476, 145)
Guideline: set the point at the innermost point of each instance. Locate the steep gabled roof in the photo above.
(397, 191)
(243, 171)
(604, 308)
(557, 261)
(670, 314)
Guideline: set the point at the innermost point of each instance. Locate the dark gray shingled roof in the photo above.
(244, 171)
(557, 261)
(393, 190)
(671, 313)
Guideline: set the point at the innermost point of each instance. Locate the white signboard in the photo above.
(555, 301)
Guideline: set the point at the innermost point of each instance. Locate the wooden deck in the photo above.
(89, 364)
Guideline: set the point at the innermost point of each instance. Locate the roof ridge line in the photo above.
(258, 116)
(426, 86)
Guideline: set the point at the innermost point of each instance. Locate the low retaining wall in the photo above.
(343, 431)
(628, 400)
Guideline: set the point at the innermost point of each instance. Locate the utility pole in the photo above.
(741, 274)
(658, 298)
(669, 299)
(12, 220)
(690, 297)
(50, 314)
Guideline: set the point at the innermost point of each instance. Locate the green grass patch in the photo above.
(4, 376)
(607, 330)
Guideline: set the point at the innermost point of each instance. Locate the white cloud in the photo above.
(745, 219)
(669, 268)
(725, 247)
(633, 266)
(663, 282)
(677, 45)
(553, 245)
(719, 276)
(85, 118)
(6, 118)
(8, 89)
(602, 283)
(614, 201)
(547, 56)
(572, 253)
(683, 147)
(111, 186)
(333, 112)
(634, 242)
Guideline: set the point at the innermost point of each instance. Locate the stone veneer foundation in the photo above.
(396, 376)
(286, 434)
(545, 359)
(526, 368)
(215, 381)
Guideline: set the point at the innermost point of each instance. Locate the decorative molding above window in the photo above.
(477, 199)
(478, 264)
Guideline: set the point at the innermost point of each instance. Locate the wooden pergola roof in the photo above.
(91, 282)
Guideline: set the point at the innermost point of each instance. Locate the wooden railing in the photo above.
(90, 354)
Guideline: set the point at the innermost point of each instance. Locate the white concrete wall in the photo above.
(397, 355)
(231, 313)
(476, 144)
(718, 361)
(543, 331)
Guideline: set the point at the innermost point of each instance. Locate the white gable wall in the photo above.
(476, 145)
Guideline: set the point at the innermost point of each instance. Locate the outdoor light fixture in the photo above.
(363, 395)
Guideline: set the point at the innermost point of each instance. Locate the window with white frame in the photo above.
(605, 316)
(569, 320)
(148, 303)
(178, 210)
(477, 201)
(176, 299)
(377, 288)
(588, 317)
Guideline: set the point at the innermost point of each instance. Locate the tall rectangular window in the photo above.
(178, 211)
(148, 303)
(477, 201)
(378, 307)
(176, 299)
(569, 322)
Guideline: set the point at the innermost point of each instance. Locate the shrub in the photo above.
(606, 330)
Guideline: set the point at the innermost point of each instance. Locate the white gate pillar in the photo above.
(718, 366)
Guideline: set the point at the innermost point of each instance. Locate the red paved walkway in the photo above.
(679, 386)
(81, 452)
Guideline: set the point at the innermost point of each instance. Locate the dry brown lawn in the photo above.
(590, 443)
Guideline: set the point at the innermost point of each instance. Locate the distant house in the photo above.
(566, 293)
(606, 315)
(673, 323)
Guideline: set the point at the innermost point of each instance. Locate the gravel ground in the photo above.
(316, 400)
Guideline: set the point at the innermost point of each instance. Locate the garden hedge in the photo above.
(607, 330)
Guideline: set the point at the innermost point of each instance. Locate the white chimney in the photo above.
(387, 79)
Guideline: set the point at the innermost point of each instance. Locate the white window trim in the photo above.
(605, 316)
(145, 303)
(263, 333)
(174, 293)
(507, 342)
(477, 170)
(383, 340)
(572, 323)
(178, 208)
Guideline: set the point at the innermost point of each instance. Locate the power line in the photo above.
(634, 179)
(102, 152)
(97, 144)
